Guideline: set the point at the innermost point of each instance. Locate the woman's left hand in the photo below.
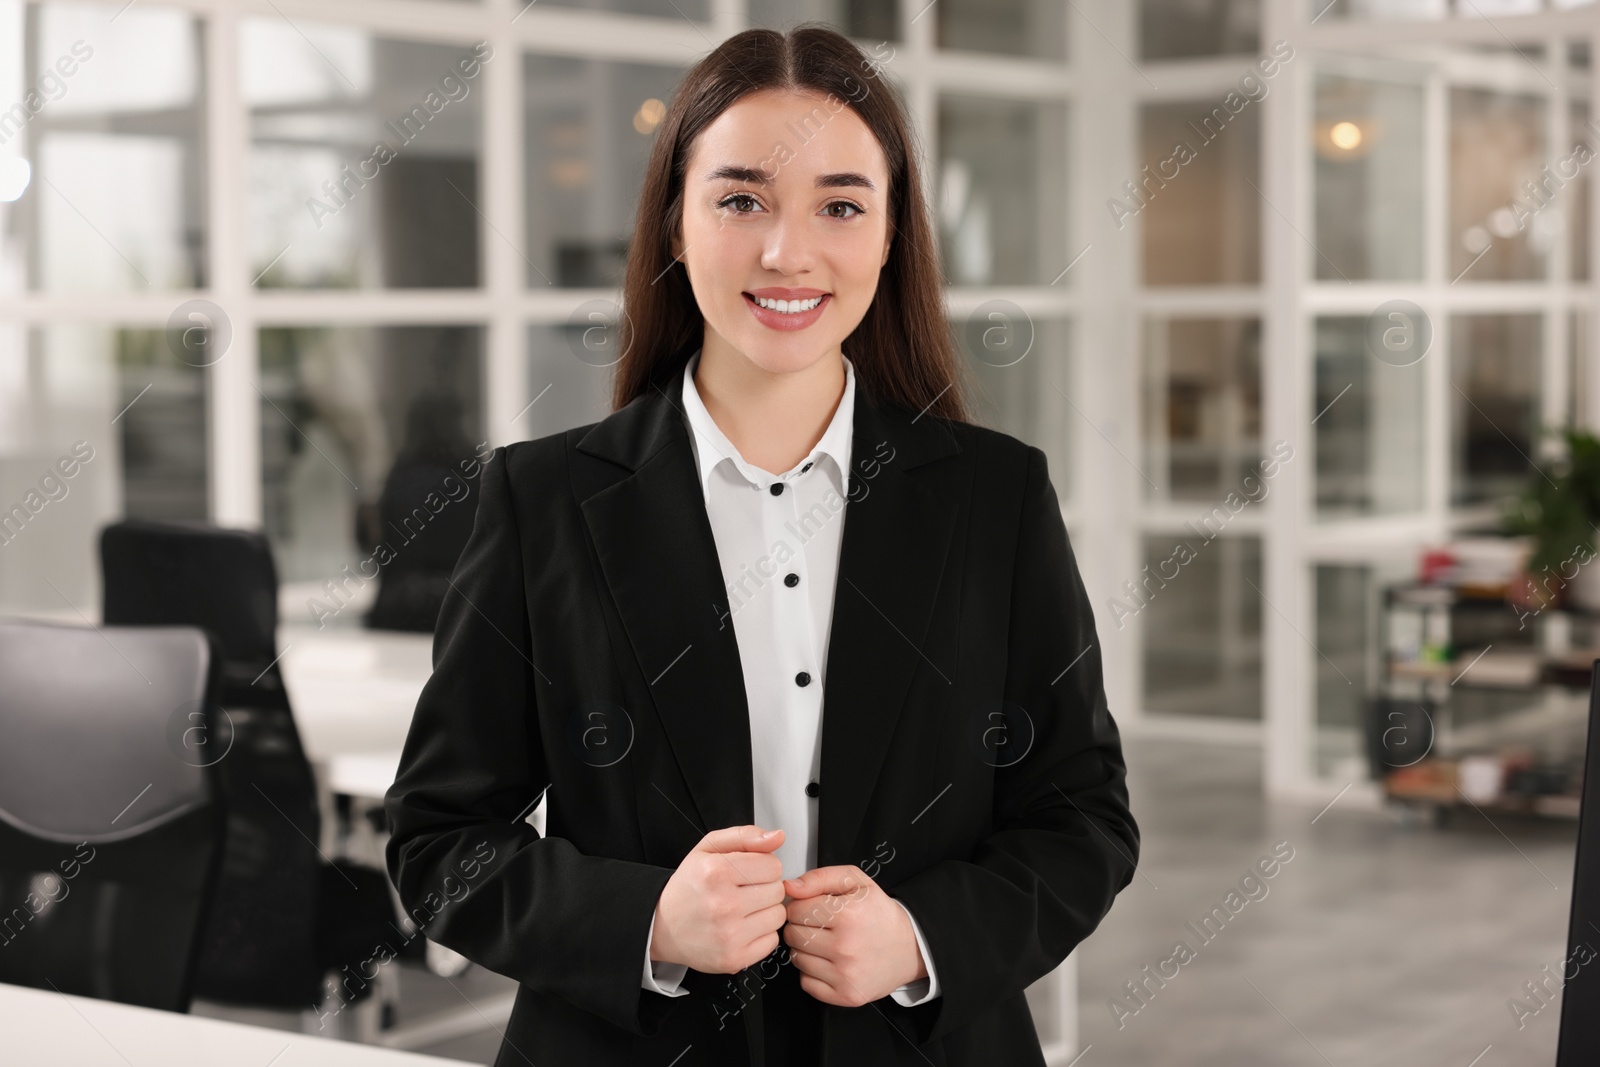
(849, 939)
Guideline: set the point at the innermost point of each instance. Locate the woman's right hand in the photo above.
(723, 907)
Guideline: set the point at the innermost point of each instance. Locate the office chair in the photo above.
(284, 918)
(110, 843)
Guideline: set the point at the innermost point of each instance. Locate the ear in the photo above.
(677, 252)
(888, 242)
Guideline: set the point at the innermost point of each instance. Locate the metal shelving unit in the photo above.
(1482, 702)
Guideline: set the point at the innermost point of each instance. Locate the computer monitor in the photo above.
(1580, 1000)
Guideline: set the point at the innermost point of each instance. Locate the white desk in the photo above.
(352, 689)
(44, 1027)
(365, 775)
(353, 692)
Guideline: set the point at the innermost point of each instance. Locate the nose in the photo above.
(788, 245)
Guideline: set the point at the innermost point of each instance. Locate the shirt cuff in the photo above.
(661, 977)
(923, 989)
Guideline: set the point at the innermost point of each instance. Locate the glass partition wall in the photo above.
(1284, 289)
(1354, 282)
(1445, 178)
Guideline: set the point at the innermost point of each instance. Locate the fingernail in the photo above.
(769, 835)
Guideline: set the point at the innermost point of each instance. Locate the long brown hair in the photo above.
(903, 349)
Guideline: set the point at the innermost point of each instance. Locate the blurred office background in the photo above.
(1160, 322)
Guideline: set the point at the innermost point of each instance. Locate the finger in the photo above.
(755, 898)
(817, 911)
(837, 880)
(824, 987)
(757, 868)
(819, 990)
(762, 946)
(765, 920)
(740, 839)
(809, 963)
(824, 981)
(770, 868)
(815, 940)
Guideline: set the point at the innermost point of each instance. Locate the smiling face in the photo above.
(786, 197)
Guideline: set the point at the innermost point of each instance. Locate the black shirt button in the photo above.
(802, 678)
(812, 789)
(805, 468)
(777, 489)
(791, 580)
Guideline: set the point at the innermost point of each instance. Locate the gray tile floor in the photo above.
(1375, 945)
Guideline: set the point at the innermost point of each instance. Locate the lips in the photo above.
(786, 322)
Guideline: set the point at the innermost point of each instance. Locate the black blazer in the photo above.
(585, 648)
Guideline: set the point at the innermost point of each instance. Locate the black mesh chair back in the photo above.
(194, 574)
(109, 839)
(260, 944)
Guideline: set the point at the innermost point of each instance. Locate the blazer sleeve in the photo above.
(470, 871)
(1063, 842)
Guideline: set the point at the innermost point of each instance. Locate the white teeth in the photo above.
(789, 307)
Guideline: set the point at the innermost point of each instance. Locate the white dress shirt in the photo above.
(780, 564)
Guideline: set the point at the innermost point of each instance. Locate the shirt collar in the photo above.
(712, 447)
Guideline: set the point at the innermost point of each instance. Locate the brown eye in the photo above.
(845, 203)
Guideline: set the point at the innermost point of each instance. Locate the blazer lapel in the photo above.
(659, 557)
(897, 534)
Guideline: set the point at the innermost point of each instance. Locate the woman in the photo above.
(831, 777)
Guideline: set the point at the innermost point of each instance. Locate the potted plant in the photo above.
(1558, 510)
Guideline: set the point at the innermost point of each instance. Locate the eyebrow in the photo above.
(755, 176)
